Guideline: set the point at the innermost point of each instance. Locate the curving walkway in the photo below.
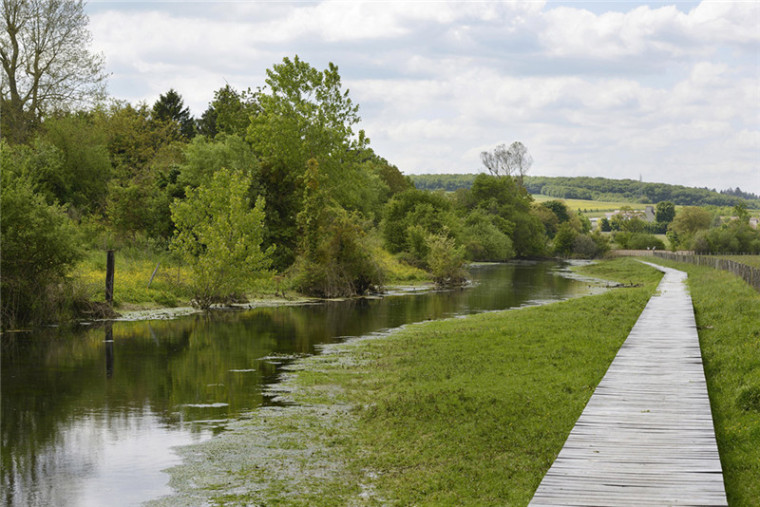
(646, 435)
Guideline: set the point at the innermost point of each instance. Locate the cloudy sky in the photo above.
(663, 91)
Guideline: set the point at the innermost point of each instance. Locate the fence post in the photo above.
(110, 266)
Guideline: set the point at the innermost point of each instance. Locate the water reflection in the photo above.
(88, 414)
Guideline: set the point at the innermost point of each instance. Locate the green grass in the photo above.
(468, 411)
(749, 260)
(473, 411)
(728, 318)
(132, 272)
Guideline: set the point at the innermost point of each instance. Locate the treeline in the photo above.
(274, 182)
(604, 189)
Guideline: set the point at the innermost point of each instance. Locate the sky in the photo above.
(660, 91)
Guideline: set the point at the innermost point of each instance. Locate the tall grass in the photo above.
(133, 270)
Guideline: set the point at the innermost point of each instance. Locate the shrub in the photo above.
(446, 260)
(39, 249)
(220, 236)
(584, 247)
(644, 241)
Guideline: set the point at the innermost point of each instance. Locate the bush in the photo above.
(341, 264)
(584, 247)
(484, 241)
(39, 249)
(446, 261)
(644, 241)
(220, 236)
(563, 241)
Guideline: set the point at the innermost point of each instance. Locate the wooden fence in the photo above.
(747, 273)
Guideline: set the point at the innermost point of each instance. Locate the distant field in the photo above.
(590, 208)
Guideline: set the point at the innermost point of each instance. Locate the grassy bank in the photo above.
(728, 318)
(170, 287)
(466, 411)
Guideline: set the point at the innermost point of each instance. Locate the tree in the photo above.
(86, 168)
(171, 108)
(335, 259)
(513, 161)
(229, 113)
(689, 220)
(46, 63)
(304, 115)
(665, 212)
(219, 235)
(564, 240)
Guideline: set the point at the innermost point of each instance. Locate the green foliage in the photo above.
(82, 179)
(641, 241)
(171, 108)
(134, 141)
(511, 208)
(39, 249)
(219, 235)
(734, 237)
(229, 113)
(429, 212)
(665, 211)
(446, 260)
(305, 114)
(687, 222)
(584, 247)
(564, 240)
(484, 241)
(604, 225)
(335, 260)
(203, 157)
(559, 209)
(139, 206)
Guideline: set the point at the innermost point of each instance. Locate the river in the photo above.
(90, 414)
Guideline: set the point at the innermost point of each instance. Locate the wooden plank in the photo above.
(646, 435)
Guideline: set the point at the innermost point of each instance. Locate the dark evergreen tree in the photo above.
(171, 107)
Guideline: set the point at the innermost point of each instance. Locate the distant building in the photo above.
(649, 215)
(754, 222)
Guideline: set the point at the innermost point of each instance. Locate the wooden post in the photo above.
(110, 266)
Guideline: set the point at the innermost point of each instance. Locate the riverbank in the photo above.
(463, 411)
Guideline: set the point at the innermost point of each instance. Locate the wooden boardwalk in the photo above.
(646, 435)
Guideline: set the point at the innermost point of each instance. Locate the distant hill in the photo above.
(602, 189)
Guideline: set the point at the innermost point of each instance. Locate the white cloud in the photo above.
(657, 91)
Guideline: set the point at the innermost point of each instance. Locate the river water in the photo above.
(90, 415)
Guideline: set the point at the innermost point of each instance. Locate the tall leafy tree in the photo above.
(304, 114)
(47, 64)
